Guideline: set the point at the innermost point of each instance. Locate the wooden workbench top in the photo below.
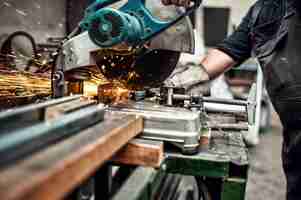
(54, 172)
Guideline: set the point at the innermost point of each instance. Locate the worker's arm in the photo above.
(235, 49)
(217, 62)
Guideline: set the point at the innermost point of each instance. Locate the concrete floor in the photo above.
(266, 179)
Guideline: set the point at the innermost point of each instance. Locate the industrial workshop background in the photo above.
(51, 19)
(46, 18)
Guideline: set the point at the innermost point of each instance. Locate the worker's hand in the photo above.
(188, 76)
(184, 3)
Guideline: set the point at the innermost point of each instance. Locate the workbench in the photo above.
(153, 170)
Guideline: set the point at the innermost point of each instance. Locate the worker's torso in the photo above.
(276, 43)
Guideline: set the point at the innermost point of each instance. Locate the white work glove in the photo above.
(188, 76)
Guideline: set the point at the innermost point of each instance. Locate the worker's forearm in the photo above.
(217, 62)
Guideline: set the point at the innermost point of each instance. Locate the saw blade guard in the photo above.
(177, 38)
(136, 22)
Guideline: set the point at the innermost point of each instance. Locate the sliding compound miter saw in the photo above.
(124, 39)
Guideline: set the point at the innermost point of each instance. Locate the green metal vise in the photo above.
(132, 24)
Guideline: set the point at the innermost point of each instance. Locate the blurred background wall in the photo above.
(47, 18)
(41, 18)
(238, 7)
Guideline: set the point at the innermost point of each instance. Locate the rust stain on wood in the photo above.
(142, 153)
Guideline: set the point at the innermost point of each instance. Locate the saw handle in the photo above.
(99, 4)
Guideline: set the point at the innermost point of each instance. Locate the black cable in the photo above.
(6, 48)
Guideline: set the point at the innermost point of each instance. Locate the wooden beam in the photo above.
(54, 172)
(141, 153)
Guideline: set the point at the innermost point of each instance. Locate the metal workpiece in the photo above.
(22, 117)
(169, 94)
(210, 99)
(248, 107)
(224, 108)
(237, 126)
(15, 144)
(177, 125)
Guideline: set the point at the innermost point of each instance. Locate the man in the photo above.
(271, 31)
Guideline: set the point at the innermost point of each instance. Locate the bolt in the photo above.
(56, 76)
(105, 27)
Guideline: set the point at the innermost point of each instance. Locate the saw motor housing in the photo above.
(108, 27)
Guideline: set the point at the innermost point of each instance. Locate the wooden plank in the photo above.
(142, 153)
(51, 174)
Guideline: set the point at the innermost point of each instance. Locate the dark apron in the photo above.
(283, 82)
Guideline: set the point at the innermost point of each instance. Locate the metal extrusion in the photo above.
(15, 144)
(22, 117)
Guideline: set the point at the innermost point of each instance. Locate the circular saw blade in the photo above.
(155, 66)
(136, 71)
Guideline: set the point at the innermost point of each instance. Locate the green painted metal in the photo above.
(145, 182)
(226, 158)
(234, 189)
(197, 165)
(156, 182)
(138, 185)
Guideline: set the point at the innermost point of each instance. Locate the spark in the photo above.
(21, 12)
(7, 4)
(15, 83)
